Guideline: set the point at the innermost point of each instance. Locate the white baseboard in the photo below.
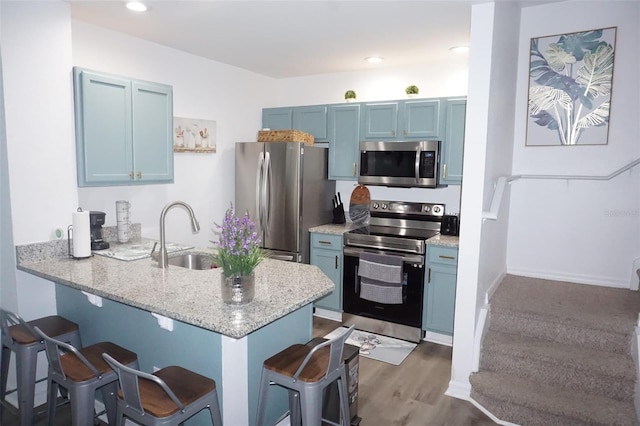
(489, 414)
(572, 278)
(481, 330)
(459, 390)
(441, 339)
(493, 287)
(635, 279)
(327, 314)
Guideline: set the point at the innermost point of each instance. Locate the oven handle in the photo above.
(407, 258)
(389, 247)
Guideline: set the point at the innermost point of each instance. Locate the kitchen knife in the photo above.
(339, 199)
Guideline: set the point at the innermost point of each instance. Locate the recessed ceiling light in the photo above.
(136, 6)
(459, 49)
(374, 59)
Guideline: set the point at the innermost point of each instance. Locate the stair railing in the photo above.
(498, 192)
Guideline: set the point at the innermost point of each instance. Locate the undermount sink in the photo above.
(191, 261)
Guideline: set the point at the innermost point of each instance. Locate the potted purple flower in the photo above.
(238, 254)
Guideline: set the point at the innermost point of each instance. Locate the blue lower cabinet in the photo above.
(440, 291)
(326, 253)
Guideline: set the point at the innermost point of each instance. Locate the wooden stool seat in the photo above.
(187, 386)
(78, 371)
(289, 360)
(52, 326)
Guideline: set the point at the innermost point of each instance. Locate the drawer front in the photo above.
(326, 241)
(444, 255)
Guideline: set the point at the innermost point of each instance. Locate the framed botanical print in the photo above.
(570, 82)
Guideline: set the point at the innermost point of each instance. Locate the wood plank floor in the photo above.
(411, 394)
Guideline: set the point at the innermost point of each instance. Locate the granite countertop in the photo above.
(336, 229)
(443, 240)
(190, 296)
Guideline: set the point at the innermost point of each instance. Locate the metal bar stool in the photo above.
(306, 371)
(82, 372)
(169, 396)
(19, 337)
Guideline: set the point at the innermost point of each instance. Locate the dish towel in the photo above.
(381, 278)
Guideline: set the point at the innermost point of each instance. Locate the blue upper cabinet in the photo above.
(453, 145)
(309, 119)
(277, 118)
(402, 120)
(420, 119)
(344, 134)
(380, 120)
(123, 130)
(152, 132)
(312, 120)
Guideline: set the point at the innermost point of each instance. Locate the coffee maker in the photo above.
(96, 220)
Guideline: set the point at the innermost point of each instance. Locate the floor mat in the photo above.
(381, 348)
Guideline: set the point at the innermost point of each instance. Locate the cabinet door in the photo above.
(453, 144)
(103, 128)
(152, 133)
(277, 118)
(380, 120)
(344, 134)
(312, 120)
(330, 262)
(441, 296)
(420, 119)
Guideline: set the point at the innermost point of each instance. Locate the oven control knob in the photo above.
(427, 209)
(376, 205)
(436, 209)
(384, 206)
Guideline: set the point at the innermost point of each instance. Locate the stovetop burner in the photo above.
(393, 231)
(399, 226)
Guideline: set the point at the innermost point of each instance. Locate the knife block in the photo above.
(338, 215)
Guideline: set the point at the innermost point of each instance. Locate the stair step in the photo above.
(520, 401)
(590, 316)
(594, 371)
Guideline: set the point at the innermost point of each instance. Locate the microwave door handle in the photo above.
(418, 156)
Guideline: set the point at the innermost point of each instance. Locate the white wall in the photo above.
(448, 79)
(202, 89)
(581, 231)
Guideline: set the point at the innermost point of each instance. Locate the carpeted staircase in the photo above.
(559, 353)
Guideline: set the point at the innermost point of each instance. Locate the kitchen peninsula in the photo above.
(113, 300)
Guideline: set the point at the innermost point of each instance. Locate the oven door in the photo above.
(409, 312)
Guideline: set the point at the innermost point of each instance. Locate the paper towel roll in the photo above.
(81, 234)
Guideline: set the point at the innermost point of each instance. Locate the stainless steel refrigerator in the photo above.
(284, 187)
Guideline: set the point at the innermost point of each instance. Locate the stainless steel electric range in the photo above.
(396, 228)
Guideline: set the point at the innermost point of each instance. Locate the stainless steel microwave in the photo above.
(402, 164)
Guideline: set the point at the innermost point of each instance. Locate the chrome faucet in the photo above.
(163, 256)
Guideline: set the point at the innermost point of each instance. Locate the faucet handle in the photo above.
(153, 250)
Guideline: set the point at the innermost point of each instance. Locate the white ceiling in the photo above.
(283, 39)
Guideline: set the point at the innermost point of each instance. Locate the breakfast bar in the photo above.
(176, 316)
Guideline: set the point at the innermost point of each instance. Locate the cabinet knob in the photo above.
(131, 175)
(336, 262)
(404, 132)
(446, 257)
(139, 175)
(444, 171)
(393, 133)
(429, 279)
(354, 169)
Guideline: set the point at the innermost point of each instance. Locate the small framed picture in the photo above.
(193, 135)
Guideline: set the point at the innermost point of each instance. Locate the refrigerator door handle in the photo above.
(266, 193)
(259, 178)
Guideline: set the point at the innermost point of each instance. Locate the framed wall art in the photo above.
(570, 82)
(194, 135)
